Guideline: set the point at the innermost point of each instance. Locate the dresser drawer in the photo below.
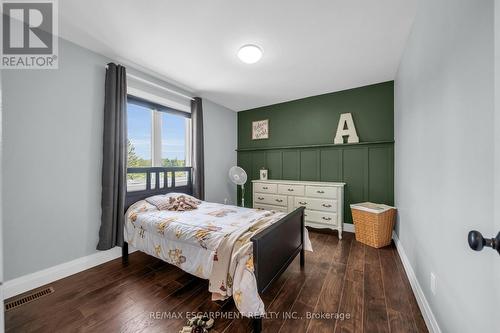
(265, 188)
(321, 192)
(327, 205)
(270, 199)
(270, 207)
(320, 217)
(291, 189)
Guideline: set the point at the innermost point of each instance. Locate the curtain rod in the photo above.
(159, 86)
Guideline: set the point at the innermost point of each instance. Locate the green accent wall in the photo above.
(300, 144)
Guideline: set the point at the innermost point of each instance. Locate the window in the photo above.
(174, 140)
(157, 136)
(139, 143)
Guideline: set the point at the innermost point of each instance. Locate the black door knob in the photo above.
(477, 241)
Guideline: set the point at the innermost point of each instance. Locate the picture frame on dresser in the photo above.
(323, 201)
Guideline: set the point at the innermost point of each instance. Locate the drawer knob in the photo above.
(290, 190)
(327, 206)
(260, 198)
(320, 192)
(302, 203)
(265, 187)
(279, 200)
(326, 218)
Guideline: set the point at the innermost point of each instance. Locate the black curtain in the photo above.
(114, 161)
(198, 156)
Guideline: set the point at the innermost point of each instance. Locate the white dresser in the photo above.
(324, 201)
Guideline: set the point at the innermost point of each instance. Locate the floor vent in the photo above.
(28, 298)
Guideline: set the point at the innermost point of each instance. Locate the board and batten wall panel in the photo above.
(300, 144)
(368, 170)
(330, 164)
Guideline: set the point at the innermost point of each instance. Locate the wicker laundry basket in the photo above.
(373, 223)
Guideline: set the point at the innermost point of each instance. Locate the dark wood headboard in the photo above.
(175, 179)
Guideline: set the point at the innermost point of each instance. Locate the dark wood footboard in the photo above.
(275, 248)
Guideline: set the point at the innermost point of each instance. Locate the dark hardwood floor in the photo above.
(366, 285)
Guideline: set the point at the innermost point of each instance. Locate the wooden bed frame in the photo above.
(272, 253)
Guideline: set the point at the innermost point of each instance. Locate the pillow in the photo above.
(159, 201)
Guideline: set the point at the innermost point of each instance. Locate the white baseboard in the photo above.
(348, 227)
(37, 279)
(424, 306)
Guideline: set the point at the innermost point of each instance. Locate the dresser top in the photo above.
(301, 182)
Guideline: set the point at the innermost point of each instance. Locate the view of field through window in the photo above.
(142, 144)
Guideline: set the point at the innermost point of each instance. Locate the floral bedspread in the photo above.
(211, 242)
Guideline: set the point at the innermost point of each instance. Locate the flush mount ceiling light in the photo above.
(250, 53)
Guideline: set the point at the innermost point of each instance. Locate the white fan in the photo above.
(239, 177)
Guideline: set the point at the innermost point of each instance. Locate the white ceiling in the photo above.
(310, 47)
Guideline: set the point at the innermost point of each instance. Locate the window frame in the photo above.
(156, 125)
(155, 106)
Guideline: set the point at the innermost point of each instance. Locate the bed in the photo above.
(241, 251)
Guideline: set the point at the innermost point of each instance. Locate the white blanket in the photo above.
(211, 242)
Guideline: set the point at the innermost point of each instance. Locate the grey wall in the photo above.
(220, 151)
(52, 160)
(1, 201)
(444, 181)
(497, 127)
(1, 204)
